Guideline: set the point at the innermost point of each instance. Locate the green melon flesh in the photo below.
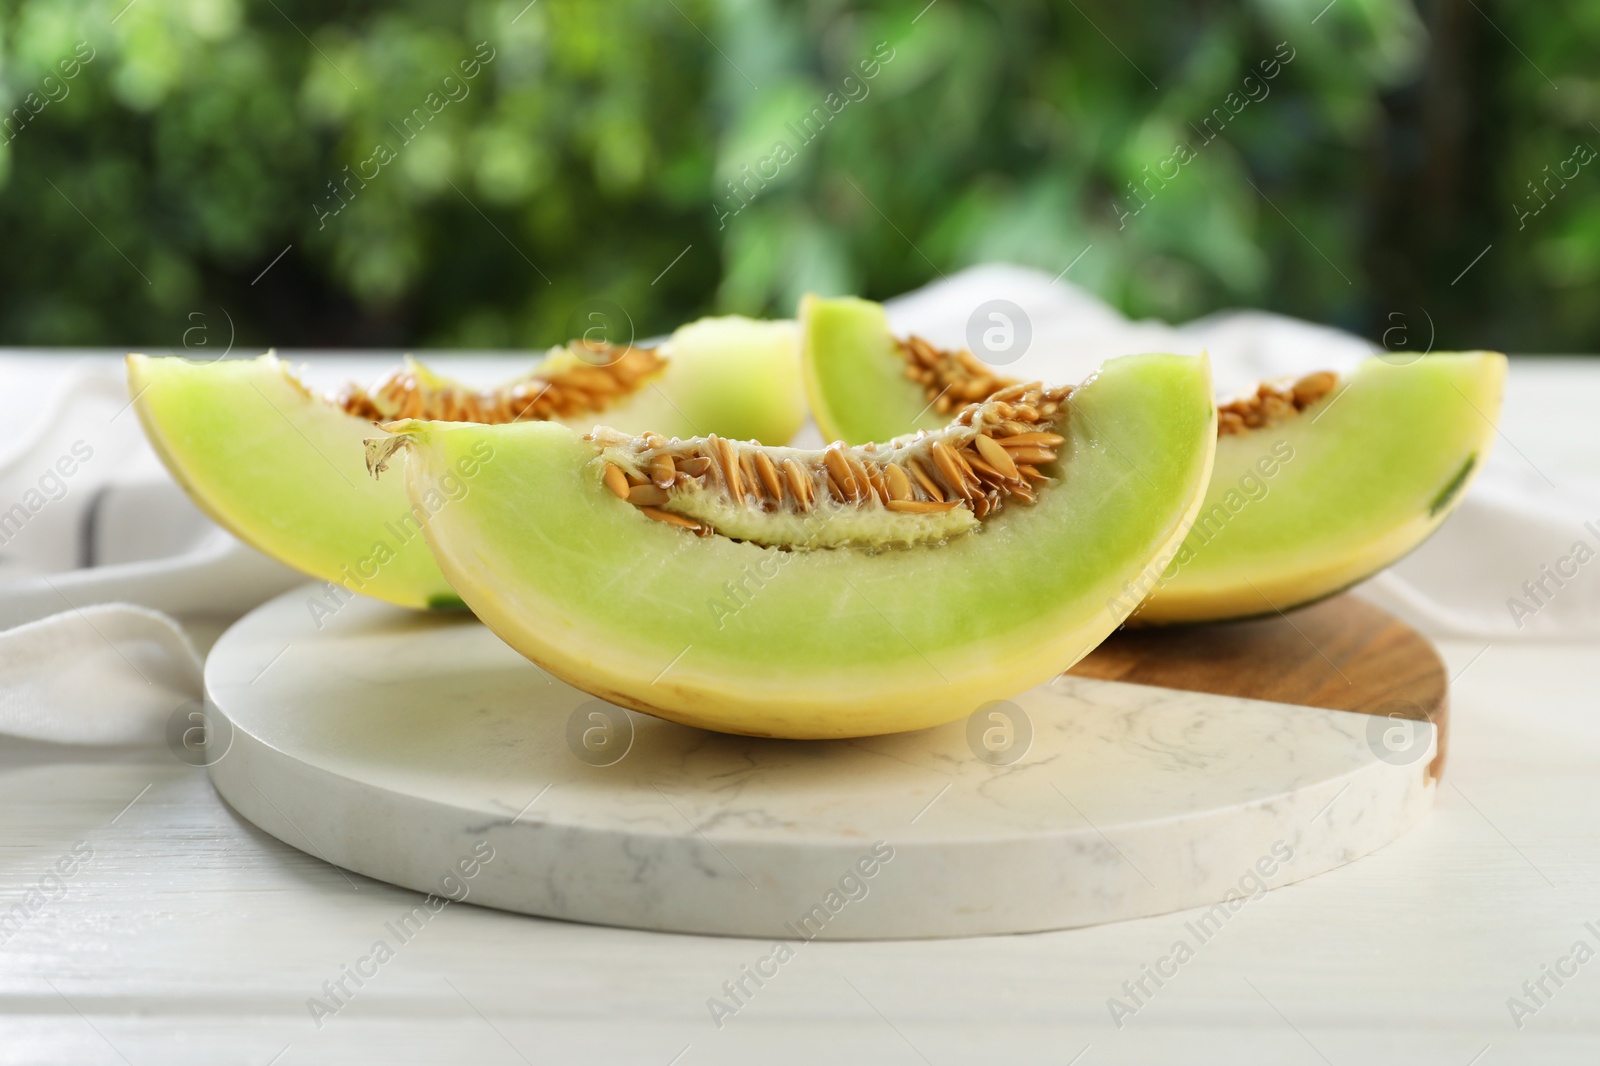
(855, 376)
(1376, 468)
(283, 469)
(833, 642)
(735, 377)
(1300, 510)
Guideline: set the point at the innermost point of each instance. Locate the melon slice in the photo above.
(281, 467)
(1331, 491)
(1318, 484)
(847, 592)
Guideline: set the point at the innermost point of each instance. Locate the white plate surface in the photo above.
(408, 748)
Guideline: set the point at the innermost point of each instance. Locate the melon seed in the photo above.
(647, 495)
(990, 454)
(1271, 404)
(995, 456)
(573, 390)
(926, 481)
(769, 476)
(616, 481)
(948, 376)
(1313, 387)
(729, 467)
(747, 475)
(839, 470)
(1025, 439)
(799, 484)
(671, 519)
(662, 471)
(899, 486)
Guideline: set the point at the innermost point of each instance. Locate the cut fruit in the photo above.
(1306, 505)
(870, 590)
(281, 467)
(1362, 470)
(866, 384)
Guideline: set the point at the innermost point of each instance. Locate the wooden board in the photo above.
(1342, 654)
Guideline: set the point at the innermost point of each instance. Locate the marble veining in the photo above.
(391, 743)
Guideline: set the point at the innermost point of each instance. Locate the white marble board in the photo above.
(418, 749)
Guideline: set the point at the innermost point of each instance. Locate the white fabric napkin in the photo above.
(101, 554)
(99, 548)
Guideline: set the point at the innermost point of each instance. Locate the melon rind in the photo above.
(1357, 480)
(731, 636)
(284, 470)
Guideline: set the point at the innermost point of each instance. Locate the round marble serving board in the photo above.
(409, 747)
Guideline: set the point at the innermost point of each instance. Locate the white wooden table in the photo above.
(191, 937)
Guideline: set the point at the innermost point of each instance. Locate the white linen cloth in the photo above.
(99, 550)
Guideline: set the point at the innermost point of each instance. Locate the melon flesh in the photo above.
(283, 469)
(1301, 509)
(1377, 464)
(735, 377)
(834, 642)
(855, 376)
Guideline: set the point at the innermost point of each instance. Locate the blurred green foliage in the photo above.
(595, 144)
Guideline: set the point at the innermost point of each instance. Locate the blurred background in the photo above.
(470, 173)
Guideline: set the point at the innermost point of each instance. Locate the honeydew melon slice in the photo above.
(809, 626)
(281, 467)
(1362, 470)
(1302, 508)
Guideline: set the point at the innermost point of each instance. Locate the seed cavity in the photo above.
(914, 489)
(564, 385)
(952, 378)
(1272, 404)
(949, 379)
